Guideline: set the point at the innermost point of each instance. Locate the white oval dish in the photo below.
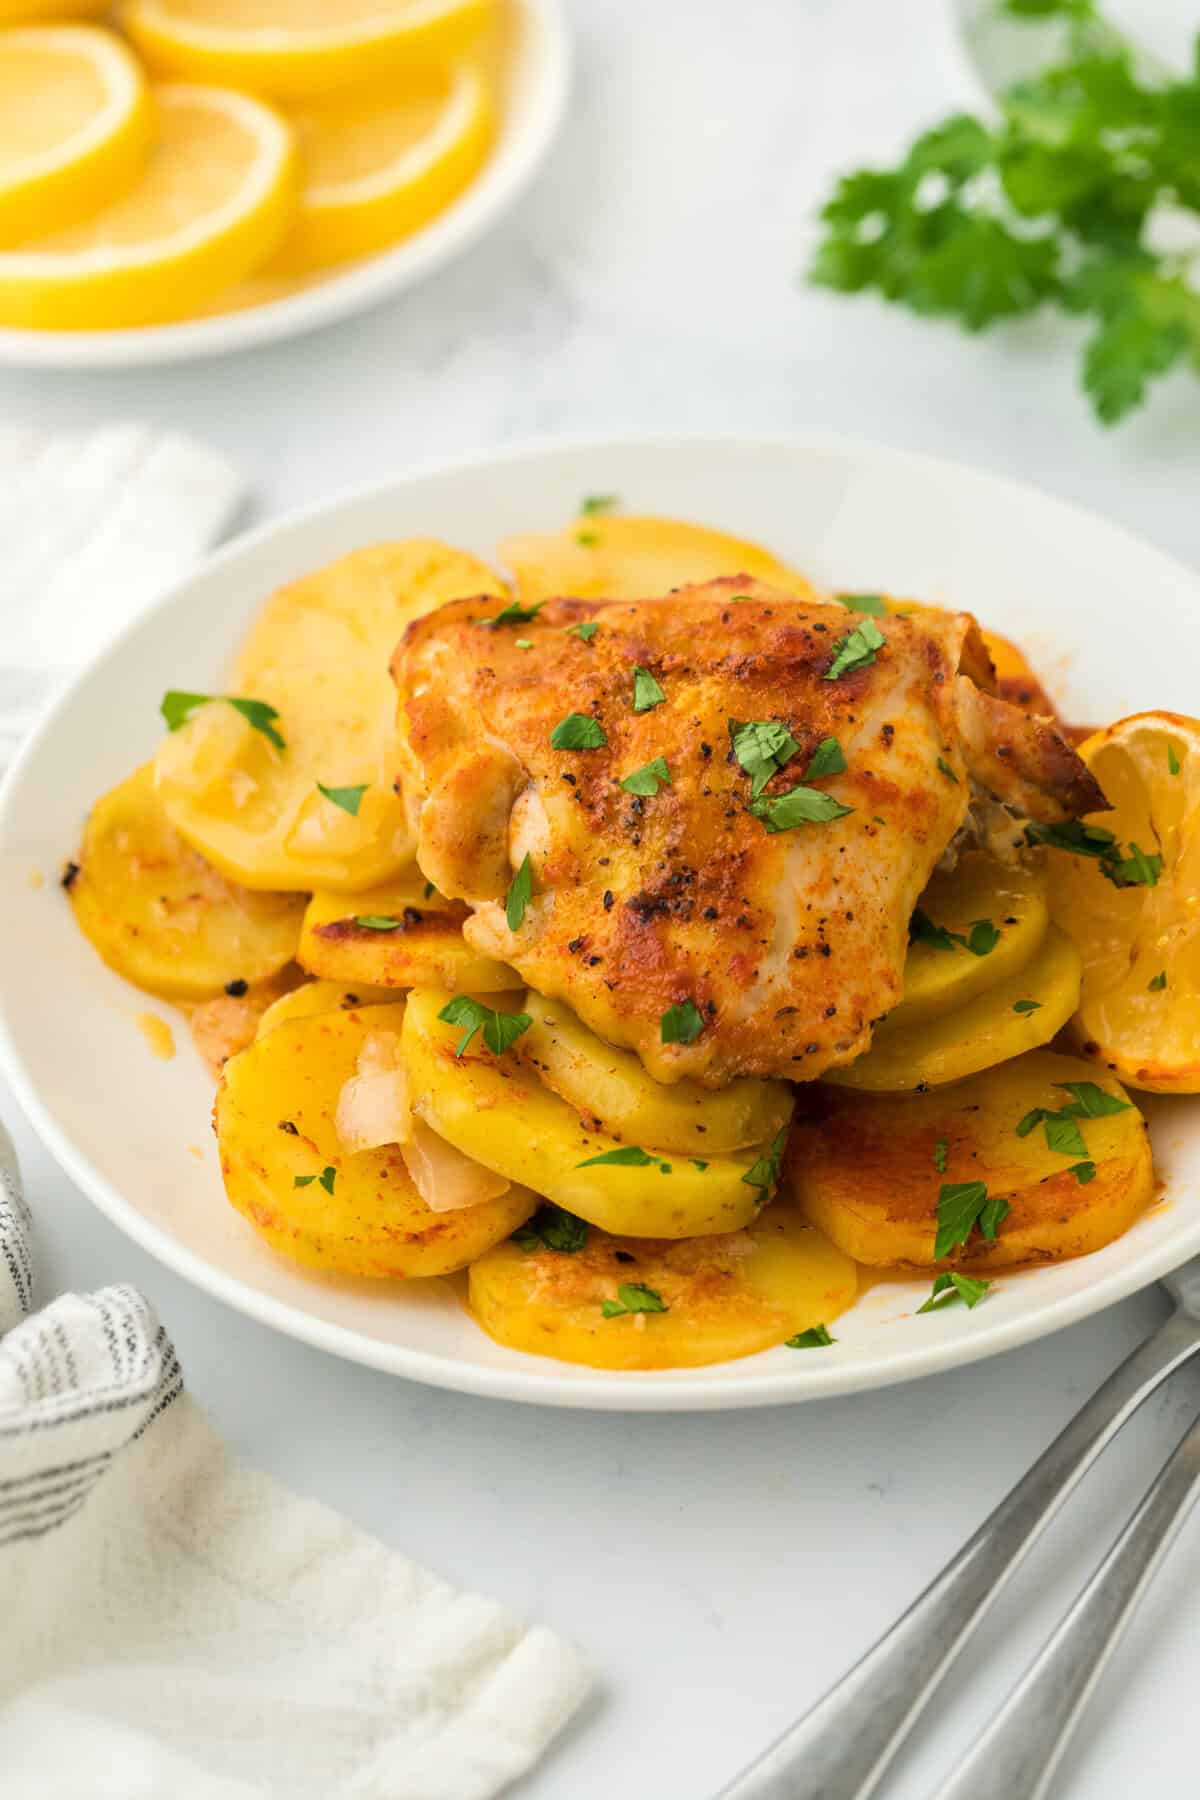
(537, 97)
(1100, 612)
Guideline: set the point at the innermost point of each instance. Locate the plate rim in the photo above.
(520, 153)
(682, 1390)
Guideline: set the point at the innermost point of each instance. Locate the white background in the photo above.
(717, 1570)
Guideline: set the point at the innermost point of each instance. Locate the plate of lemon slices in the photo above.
(189, 177)
(633, 924)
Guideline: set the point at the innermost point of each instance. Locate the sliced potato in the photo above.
(275, 1114)
(415, 940)
(498, 1112)
(938, 979)
(988, 1029)
(625, 557)
(313, 997)
(612, 1092)
(863, 1167)
(319, 654)
(161, 915)
(725, 1296)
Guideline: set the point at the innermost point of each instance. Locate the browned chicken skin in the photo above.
(791, 943)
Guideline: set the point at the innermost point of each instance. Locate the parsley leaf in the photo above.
(863, 603)
(646, 691)
(939, 1155)
(954, 1286)
(1083, 1172)
(946, 770)
(586, 629)
(817, 1337)
(959, 1204)
(514, 614)
(587, 539)
(1026, 1006)
(634, 1297)
(681, 1024)
(1173, 763)
(1157, 982)
(1063, 1135)
(982, 937)
(856, 650)
(764, 1173)
(1072, 835)
(992, 1216)
(1090, 1101)
(552, 1228)
(827, 759)
(592, 504)
(177, 708)
(499, 1029)
(648, 778)
(762, 746)
(348, 798)
(377, 921)
(578, 731)
(1135, 870)
(799, 806)
(980, 940)
(626, 1156)
(520, 893)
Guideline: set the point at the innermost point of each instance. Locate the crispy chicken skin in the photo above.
(791, 943)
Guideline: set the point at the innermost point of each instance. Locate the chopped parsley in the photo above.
(552, 1228)
(499, 1029)
(1083, 1172)
(593, 504)
(863, 603)
(993, 1216)
(764, 1172)
(953, 1286)
(348, 798)
(1063, 1135)
(681, 1024)
(799, 806)
(959, 1205)
(856, 650)
(982, 937)
(649, 778)
(980, 940)
(945, 768)
(520, 893)
(625, 1156)
(1158, 982)
(177, 708)
(762, 747)
(377, 921)
(587, 539)
(634, 1297)
(1026, 1006)
(514, 614)
(586, 629)
(326, 1179)
(1090, 1101)
(817, 1337)
(697, 1164)
(646, 692)
(578, 731)
(1138, 869)
(1173, 763)
(827, 759)
(939, 1156)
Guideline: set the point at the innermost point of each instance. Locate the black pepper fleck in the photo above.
(235, 989)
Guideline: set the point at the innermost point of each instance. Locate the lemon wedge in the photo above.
(75, 125)
(1139, 1010)
(376, 170)
(218, 196)
(295, 49)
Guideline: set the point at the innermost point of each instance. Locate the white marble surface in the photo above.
(719, 1571)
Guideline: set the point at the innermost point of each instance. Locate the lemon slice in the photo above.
(1139, 1010)
(295, 49)
(75, 125)
(380, 168)
(218, 196)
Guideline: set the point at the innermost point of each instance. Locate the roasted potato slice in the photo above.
(162, 916)
(412, 937)
(318, 653)
(313, 997)
(611, 1091)
(222, 1026)
(1026, 1009)
(723, 1296)
(867, 1170)
(350, 1214)
(626, 557)
(939, 975)
(494, 1110)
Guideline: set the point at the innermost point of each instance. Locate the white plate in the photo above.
(1110, 617)
(537, 96)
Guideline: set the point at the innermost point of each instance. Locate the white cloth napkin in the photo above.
(92, 527)
(173, 1626)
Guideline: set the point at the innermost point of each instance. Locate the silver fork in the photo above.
(844, 1746)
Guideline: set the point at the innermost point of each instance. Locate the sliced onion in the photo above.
(373, 1106)
(447, 1180)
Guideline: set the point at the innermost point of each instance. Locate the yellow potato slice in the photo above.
(318, 653)
(1139, 1011)
(621, 557)
(492, 1109)
(162, 916)
(222, 1026)
(865, 1167)
(988, 1029)
(275, 1114)
(313, 997)
(415, 940)
(724, 1296)
(938, 979)
(612, 1092)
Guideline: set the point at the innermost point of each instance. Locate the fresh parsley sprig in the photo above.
(177, 708)
(500, 1029)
